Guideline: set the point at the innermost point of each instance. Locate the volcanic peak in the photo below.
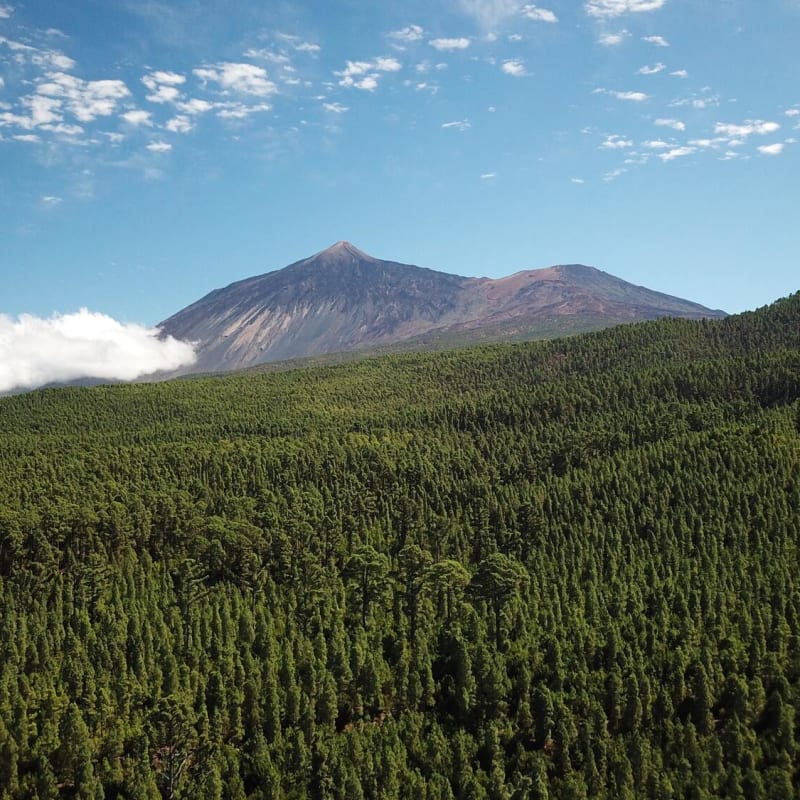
(338, 254)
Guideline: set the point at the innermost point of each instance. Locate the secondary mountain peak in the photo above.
(343, 299)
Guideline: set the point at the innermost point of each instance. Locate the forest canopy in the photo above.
(562, 569)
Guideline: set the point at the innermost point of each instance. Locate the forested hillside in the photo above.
(567, 569)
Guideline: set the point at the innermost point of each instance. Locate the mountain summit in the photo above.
(343, 299)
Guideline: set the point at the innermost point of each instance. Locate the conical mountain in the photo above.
(343, 299)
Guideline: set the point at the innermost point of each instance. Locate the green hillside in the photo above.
(564, 569)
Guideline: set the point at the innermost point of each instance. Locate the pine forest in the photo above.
(547, 570)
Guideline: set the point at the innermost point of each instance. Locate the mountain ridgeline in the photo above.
(551, 570)
(342, 299)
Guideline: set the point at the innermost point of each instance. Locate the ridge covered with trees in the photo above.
(562, 569)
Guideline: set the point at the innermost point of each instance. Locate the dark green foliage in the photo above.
(555, 570)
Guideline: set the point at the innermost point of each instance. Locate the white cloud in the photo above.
(335, 108)
(577, 180)
(86, 100)
(610, 39)
(267, 55)
(137, 117)
(651, 70)
(675, 124)
(384, 64)
(514, 67)
(658, 41)
(677, 152)
(613, 174)
(66, 347)
(680, 73)
(163, 86)
(307, 47)
(164, 94)
(657, 144)
(52, 59)
(163, 76)
(30, 138)
(635, 97)
(6, 11)
(179, 124)
(50, 200)
(490, 13)
(411, 33)
(195, 106)
(236, 77)
(450, 44)
(706, 100)
(771, 149)
(159, 147)
(459, 125)
(751, 126)
(539, 14)
(615, 8)
(793, 112)
(488, 176)
(616, 142)
(42, 111)
(364, 75)
(241, 111)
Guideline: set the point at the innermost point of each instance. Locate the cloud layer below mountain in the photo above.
(85, 344)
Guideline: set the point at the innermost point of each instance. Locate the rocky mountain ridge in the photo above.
(342, 299)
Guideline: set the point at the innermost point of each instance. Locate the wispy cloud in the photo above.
(634, 97)
(5, 11)
(335, 108)
(677, 152)
(490, 13)
(680, 73)
(488, 176)
(411, 33)
(460, 43)
(241, 111)
(538, 14)
(658, 41)
(615, 8)
(613, 38)
(657, 144)
(705, 99)
(458, 125)
(66, 347)
(771, 149)
(651, 70)
(308, 47)
(675, 124)
(159, 147)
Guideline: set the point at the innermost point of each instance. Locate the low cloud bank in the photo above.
(66, 347)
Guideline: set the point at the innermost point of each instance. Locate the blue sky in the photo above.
(151, 151)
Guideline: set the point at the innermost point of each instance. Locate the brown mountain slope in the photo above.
(342, 299)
